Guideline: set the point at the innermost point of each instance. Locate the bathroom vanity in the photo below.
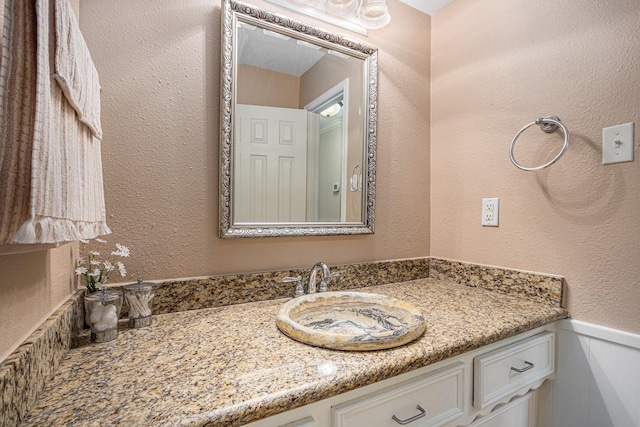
(231, 366)
(485, 387)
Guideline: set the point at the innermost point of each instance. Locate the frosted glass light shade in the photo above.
(374, 14)
(341, 8)
(332, 110)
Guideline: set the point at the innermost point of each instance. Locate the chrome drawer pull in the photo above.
(412, 419)
(527, 366)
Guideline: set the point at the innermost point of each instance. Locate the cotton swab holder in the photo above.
(139, 300)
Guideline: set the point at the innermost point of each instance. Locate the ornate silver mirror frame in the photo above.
(234, 12)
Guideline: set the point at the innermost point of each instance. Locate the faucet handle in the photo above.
(342, 271)
(323, 286)
(299, 288)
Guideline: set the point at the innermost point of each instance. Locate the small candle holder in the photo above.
(102, 310)
(139, 299)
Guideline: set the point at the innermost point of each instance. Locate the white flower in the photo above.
(108, 266)
(123, 271)
(122, 251)
(96, 273)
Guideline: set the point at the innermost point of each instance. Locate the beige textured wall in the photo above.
(282, 90)
(497, 65)
(159, 68)
(33, 285)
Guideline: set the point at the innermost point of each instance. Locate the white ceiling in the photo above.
(271, 51)
(427, 6)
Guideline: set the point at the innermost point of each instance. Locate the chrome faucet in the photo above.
(311, 285)
(326, 278)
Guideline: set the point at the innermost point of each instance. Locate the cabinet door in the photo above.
(520, 412)
(430, 400)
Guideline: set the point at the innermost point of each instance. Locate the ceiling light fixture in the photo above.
(355, 15)
(341, 8)
(374, 14)
(332, 110)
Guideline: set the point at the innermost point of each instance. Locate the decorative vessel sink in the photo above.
(355, 321)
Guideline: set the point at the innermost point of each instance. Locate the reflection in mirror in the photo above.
(298, 128)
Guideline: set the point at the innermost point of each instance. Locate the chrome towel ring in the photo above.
(547, 124)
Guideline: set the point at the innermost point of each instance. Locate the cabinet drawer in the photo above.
(430, 400)
(506, 370)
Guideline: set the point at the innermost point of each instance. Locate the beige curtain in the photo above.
(51, 169)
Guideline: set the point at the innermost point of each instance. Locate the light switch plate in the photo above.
(617, 144)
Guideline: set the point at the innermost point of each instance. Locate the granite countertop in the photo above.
(231, 365)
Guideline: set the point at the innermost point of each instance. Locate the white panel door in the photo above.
(270, 178)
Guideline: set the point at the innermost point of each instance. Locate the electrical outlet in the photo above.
(490, 209)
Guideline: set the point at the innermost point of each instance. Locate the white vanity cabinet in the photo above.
(497, 385)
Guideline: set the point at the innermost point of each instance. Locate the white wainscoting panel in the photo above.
(597, 378)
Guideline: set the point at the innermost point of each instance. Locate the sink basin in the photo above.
(355, 321)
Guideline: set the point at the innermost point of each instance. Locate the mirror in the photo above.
(298, 128)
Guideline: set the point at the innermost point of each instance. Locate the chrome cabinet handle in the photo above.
(527, 366)
(412, 419)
